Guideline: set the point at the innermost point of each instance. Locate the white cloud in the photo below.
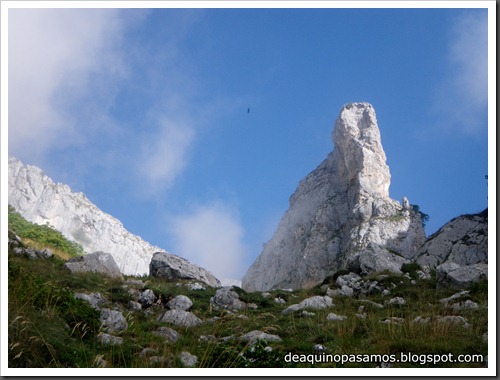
(462, 97)
(52, 54)
(164, 154)
(211, 237)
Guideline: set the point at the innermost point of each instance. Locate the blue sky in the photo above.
(146, 112)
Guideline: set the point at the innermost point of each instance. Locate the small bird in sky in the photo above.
(248, 110)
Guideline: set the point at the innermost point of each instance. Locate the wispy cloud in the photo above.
(164, 153)
(211, 236)
(52, 55)
(462, 97)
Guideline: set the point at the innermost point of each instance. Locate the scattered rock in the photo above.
(134, 306)
(454, 319)
(173, 268)
(180, 318)
(396, 301)
(452, 275)
(467, 304)
(97, 262)
(455, 296)
(195, 286)
(169, 334)
(180, 303)
(207, 338)
(316, 302)
(226, 298)
(306, 313)
(187, 359)
(393, 320)
(147, 298)
(109, 340)
(96, 300)
(319, 348)
(279, 300)
(335, 317)
(147, 352)
(253, 336)
(113, 321)
(422, 320)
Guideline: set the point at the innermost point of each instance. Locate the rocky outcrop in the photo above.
(38, 199)
(458, 251)
(172, 267)
(97, 262)
(341, 215)
(463, 240)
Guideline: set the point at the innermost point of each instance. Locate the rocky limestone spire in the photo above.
(358, 153)
(341, 215)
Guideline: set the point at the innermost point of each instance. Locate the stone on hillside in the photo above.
(227, 299)
(467, 304)
(97, 262)
(113, 321)
(254, 336)
(173, 268)
(96, 300)
(453, 275)
(180, 318)
(454, 319)
(455, 296)
(335, 317)
(169, 334)
(147, 298)
(341, 215)
(134, 306)
(187, 359)
(109, 340)
(180, 303)
(195, 286)
(396, 301)
(315, 302)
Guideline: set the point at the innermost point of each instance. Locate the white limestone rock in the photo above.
(463, 240)
(340, 213)
(172, 267)
(96, 262)
(315, 302)
(38, 199)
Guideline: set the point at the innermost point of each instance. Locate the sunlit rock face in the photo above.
(38, 199)
(341, 215)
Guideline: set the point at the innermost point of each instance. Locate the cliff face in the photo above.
(38, 199)
(341, 215)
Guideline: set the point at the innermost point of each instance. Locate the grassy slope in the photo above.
(48, 327)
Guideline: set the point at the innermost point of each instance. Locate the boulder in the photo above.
(335, 317)
(453, 275)
(147, 298)
(315, 302)
(254, 336)
(180, 303)
(169, 334)
(109, 340)
(187, 359)
(96, 300)
(113, 321)
(173, 268)
(97, 262)
(180, 318)
(226, 298)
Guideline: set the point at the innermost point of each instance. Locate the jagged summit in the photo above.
(341, 215)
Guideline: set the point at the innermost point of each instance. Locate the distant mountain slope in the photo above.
(38, 199)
